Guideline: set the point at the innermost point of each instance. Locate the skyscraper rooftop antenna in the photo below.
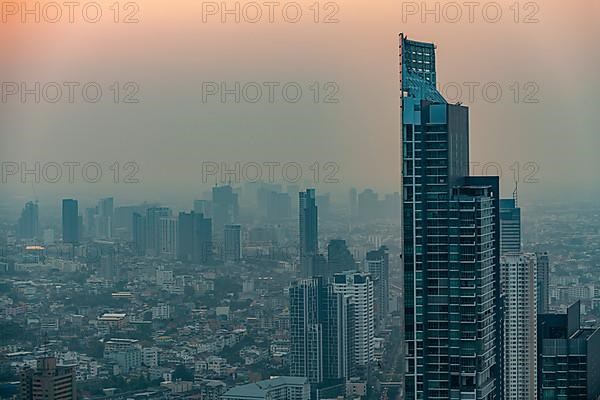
(516, 193)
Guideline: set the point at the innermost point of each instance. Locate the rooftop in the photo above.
(260, 389)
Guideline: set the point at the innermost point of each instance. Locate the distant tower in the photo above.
(28, 224)
(510, 226)
(105, 218)
(378, 265)
(225, 208)
(194, 243)
(543, 282)
(358, 287)
(319, 332)
(368, 205)
(153, 217)
(308, 233)
(70, 221)
(168, 237)
(139, 234)
(233, 242)
(353, 202)
(519, 289)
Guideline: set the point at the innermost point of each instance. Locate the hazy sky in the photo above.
(170, 52)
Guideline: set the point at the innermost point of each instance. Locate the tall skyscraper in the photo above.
(353, 202)
(225, 208)
(195, 238)
(368, 205)
(233, 242)
(519, 289)
(450, 242)
(358, 288)
(90, 222)
(153, 217)
(319, 333)
(308, 233)
(543, 282)
(568, 362)
(48, 382)
(510, 226)
(139, 230)
(108, 269)
(70, 221)
(105, 218)
(168, 237)
(378, 265)
(28, 225)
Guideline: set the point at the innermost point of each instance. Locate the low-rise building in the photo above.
(279, 388)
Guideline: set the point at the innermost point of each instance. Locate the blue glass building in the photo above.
(510, 227)
(70, 221)
(451, 238)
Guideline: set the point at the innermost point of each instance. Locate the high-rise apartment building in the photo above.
(168, 237)
(378, 265)
(510, 226)
(451, 241)
(519, 290)
(543, 282)
(358, 288)
(127, 353)
(70, 221)
(194, 244)
(320, 333)
(48, 382)
(139, 230)
(308, 233)
(153, 233)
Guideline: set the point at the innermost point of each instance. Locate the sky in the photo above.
(543, 56)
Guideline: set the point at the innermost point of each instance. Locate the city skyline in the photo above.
(533, 133)
(299, 201)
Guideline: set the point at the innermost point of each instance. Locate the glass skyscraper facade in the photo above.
(70, 221)
(568, 362)
(510, 226)
(308, 233)
(321, 348)
(451, 245)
